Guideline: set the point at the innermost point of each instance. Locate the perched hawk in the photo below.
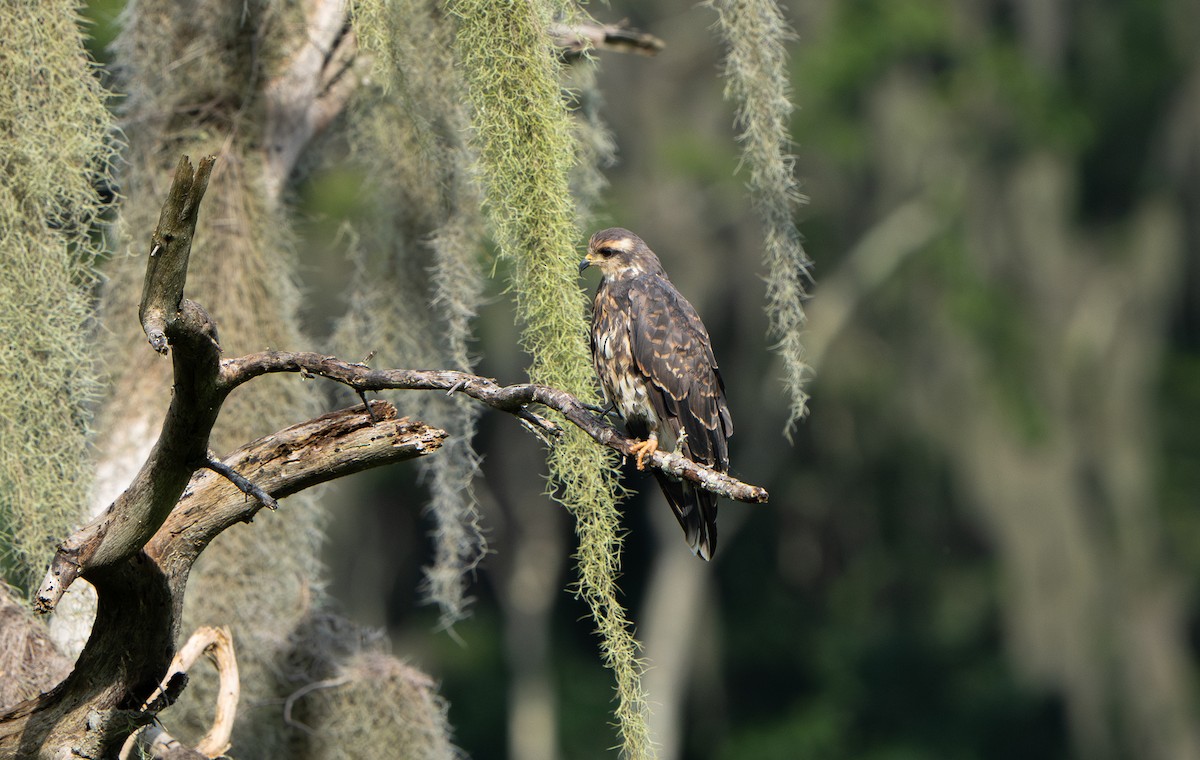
(656, 366)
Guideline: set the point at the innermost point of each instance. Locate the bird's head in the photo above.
(617, 253)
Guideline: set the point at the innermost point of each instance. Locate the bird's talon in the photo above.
(643, 449)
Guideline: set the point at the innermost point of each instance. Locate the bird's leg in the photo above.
(644, 449)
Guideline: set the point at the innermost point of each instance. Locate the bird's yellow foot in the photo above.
(644, 449)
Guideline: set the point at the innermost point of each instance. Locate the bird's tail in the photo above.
(696, 511)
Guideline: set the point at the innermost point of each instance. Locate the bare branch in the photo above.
(120, 531)
(170, 247)
(244, 485)
(576, 39)
(154, 741)
(514, 399)
(217, 644)
(301, 456)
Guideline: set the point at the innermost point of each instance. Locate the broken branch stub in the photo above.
(170, 247)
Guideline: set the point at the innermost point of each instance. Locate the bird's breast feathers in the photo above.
(622, 382)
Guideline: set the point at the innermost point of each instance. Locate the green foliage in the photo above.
(886, 646)
(408, 133)
(56, 155)
(526, 151)
(756, 69)
(1050, 137)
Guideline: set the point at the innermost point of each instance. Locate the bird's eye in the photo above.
(606, 251)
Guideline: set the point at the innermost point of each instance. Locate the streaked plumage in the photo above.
(656, 364)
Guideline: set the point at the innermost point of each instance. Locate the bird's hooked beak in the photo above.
(586, 262)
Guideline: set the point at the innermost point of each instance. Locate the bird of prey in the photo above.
(656, 366)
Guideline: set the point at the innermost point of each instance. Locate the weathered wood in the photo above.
(141, 598)
(328, 447)
(121, 530)
(170, 248)
(514, 399)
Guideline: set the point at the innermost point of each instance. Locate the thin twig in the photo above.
(243, 484)
(289, 703)
(362, 396)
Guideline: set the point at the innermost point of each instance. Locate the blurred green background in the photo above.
(983, 542)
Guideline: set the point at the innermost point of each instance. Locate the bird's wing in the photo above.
(671, 349)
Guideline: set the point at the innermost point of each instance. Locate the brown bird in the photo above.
(656, 366)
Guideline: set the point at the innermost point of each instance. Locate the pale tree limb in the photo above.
(217, 645)
(311, 91)
(154, 741)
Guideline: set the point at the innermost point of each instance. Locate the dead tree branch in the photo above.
(170, 248)
(154, 741)
(120, 532)
(138, 553)
(575, 40)
(167, 317)
(140, 599)
(514, 399)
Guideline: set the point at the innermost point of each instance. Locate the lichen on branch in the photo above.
(418, 253)
(757, 81)
(54, 164)
(524, 137)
